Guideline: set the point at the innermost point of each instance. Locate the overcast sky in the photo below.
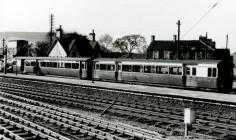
(122, 17)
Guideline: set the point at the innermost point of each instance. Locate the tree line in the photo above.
(129, 44)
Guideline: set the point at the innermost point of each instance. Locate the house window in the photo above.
(166, 54)
(155, 54)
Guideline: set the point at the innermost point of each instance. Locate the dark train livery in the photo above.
(212, 74)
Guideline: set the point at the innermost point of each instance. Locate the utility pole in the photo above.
(206, 47)
(178, 23)
(5, 59)
(3, 50)
(51, 28)
(227, 41)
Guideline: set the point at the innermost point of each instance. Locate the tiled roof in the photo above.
(183, 45)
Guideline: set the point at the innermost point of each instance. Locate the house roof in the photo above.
(183, 45)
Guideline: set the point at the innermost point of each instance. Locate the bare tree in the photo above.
(106, 42)
(131, 44)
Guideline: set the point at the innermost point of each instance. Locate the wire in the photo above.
(200, 19)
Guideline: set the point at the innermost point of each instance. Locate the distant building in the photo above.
(188, 49)
(77, 46)
(16, 48)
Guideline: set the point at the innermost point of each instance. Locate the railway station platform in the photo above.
(222, 97)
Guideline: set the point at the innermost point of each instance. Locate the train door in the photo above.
(22, 65)
(118, 71)
(80, 69)
(89, 69)
(191, 79)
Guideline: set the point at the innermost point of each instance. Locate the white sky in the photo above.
(122, 17)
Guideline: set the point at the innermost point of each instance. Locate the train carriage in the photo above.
(211, 74)
(105, 69)
(74, 67)
(147, 71)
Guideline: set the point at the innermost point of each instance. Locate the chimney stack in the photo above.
(59, 32)
(174, 38)
(92, 36)
(152, 38)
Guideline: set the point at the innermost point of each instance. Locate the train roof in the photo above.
(54, 58)
(187, 62)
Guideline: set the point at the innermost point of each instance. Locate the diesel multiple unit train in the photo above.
(210, 74)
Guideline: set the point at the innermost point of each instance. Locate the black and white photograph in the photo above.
(117, 70)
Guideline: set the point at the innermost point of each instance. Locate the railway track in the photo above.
(73, 125)
(168, 119)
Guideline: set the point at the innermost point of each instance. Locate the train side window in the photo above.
(153, 69)
(27, 63)
(213, 72)
(162, 70)
(43, 64)
(68, 65)
(62, 65)
(176, 70)
(188, 71)
(103, 67)
(136, 68)
(126, 68)
(33, 63)
(48, 64)
(194, 71)
(54, 64)
(147, 69)
(75, 66)
(110, 67)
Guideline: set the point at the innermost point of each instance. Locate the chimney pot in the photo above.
(153, 38)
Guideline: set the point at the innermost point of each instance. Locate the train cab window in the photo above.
(97, 67)
(162, 70)
(126, 68)
(43, 64)
(194, 71)
(209, 72)
(136, 68)
(103, 67)
(110, 67)
(32, 63)
(212, 72)
(75, 66)
(54, 64)
(68, 65)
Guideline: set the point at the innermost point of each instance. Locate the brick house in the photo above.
(188, 49)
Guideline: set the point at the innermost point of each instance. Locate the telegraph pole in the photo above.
(178, 23)
(51, 27)
(206, 47)
(5, 51)
(227, 37)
